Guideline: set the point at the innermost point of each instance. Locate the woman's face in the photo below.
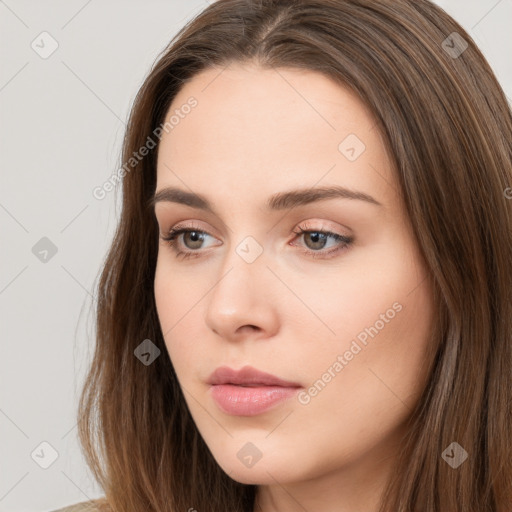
(347, 319)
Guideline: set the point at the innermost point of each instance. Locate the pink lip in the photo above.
(248, 392)
(247, 376)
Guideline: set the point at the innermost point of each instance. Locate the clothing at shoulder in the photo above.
(83, 506)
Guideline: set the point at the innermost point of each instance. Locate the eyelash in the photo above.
(174, 233)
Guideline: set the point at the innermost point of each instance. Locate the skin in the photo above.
(253, 133)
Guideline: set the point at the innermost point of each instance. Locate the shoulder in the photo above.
(83, 506)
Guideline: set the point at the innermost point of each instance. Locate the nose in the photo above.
(243, 301)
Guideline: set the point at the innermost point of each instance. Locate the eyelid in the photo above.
(320, 225)
(193, 225)
(309, 225)
(179, 229)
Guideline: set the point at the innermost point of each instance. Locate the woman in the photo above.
(307, 301)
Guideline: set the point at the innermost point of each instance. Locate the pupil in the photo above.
(194, 238)
(316, 238)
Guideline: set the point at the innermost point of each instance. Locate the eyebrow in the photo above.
(280, 201)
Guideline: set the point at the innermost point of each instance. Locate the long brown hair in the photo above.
(447, 127)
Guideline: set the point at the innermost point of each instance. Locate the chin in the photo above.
(263, 472)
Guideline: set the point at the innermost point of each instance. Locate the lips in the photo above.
(248, 391)
(248, 377)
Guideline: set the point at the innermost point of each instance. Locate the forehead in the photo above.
(258, 130)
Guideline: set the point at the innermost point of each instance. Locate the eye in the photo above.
(317, 239)
(191, 238)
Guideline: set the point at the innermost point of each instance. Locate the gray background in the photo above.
(62, 122)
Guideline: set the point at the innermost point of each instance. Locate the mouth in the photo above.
(240, 400)
(248, 391)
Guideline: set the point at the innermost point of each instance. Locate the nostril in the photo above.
(251, 327)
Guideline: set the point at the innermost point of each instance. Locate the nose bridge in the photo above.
(239, 295)
(241, 273)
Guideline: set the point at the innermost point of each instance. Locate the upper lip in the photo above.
(247, 376)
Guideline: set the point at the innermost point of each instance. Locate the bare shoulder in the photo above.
(83, 506)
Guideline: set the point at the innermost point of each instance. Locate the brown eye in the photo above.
(315, 240)
(186, 242)
(196, 238)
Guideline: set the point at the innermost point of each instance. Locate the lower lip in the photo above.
(249, 401)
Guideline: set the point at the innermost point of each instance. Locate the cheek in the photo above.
(365, 396)
(180, 297)
(176, 292)
(381, 312)
(372, 292)
(165, 297)
(174, 297)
